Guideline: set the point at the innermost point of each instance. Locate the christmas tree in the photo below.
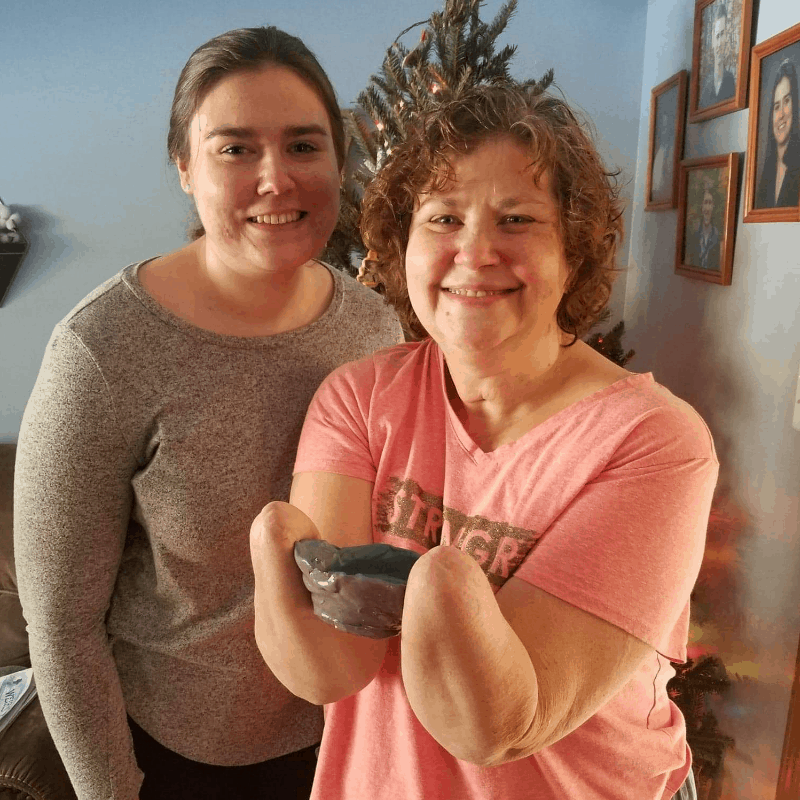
(455, 50)
(610, 344)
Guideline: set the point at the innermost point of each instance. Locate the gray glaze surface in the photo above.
(357, 589)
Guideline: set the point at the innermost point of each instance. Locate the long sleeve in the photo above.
(72, 503)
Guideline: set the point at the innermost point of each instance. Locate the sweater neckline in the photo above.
(130, 277)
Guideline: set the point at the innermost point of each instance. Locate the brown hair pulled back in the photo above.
(239, 51)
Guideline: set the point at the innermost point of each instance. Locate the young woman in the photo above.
(166, 413)
(779, 185)
(559, 502)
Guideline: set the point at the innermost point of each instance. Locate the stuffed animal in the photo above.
(8, 225)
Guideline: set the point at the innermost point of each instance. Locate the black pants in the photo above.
(169, 776)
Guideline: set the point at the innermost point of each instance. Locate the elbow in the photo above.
(497, 746)
(493, 755)
(490, 755)
(323, 684)
(316, 680)
(324, 695)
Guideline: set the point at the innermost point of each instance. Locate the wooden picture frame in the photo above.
(706, 218)
(775, 71)
(667, 128)
(720, 57)
(789, 775)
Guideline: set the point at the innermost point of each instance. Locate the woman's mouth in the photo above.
(478, 292)
(277, 219)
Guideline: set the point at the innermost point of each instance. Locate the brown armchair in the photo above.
(30, 767)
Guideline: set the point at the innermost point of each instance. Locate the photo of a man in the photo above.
(704, 220)
(719, 82)
(707, 218)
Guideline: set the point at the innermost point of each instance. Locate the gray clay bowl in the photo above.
(358, 589)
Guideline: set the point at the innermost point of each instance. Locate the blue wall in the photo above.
(734, 353)
(85, 105)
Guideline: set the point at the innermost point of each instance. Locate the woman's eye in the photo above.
(304, 148)
(444, 219)
(517, 219)
(233, 150)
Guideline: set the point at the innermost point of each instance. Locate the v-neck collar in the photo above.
(477, 454)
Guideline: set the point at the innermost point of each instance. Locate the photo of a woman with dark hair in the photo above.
(779, 175)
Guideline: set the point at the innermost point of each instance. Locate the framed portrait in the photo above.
(720, 57)
(667, 118)
(707, 217)
(772, 177)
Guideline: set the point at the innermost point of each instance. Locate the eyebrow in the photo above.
(232, 131)
(505, 205)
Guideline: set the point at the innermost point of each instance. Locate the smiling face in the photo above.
(485, 263)
(262, 170)
(782, 112)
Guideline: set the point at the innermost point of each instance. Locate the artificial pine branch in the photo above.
(455, 51)
(610, 344)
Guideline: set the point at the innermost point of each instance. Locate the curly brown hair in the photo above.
(590, 211)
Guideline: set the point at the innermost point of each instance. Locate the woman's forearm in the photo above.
(467, 675)
(311, 658)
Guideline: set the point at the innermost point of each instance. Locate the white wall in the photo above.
(734, 353)
(85, 99)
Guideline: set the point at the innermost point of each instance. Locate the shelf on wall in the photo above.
(11, 255)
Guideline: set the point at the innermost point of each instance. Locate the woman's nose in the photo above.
(476, 247)
(274, 177)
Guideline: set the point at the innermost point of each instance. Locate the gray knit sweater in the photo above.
(147, 448)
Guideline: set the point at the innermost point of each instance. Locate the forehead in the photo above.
(499, 162)
(270, 96)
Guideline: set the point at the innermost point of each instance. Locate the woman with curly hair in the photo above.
(558, 502)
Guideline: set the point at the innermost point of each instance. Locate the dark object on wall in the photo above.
(692, 683)
(707, 218)
(667, 126)
(30, 767)
(357, 589)
(720, 57)
(772, 178)
(11, 255)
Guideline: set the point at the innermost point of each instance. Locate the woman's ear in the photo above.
(183, 174)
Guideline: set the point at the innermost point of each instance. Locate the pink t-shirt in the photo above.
(604, 505)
